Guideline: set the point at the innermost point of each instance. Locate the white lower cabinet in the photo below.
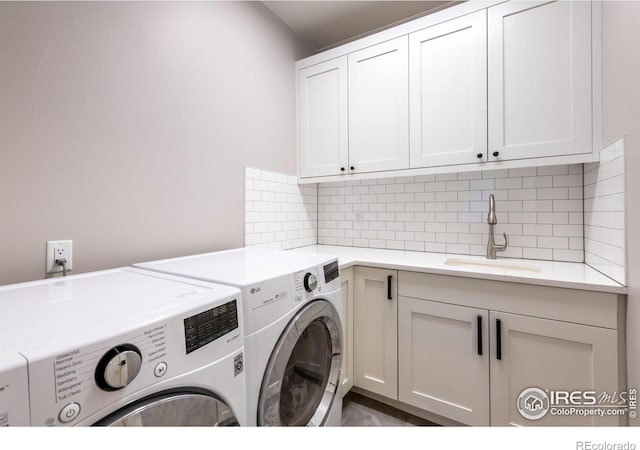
(346, 284)
(465, 349)
(550, 355)
(442, 359)
(375, 336)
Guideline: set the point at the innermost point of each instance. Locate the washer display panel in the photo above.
(302, 376)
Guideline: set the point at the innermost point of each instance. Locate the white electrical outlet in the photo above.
(59, 250)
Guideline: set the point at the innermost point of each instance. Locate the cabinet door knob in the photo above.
(342, 169)
(496, 153)
(353, 168)
(479, 155)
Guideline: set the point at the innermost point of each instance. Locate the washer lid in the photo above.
(239, 267)
(65, 312)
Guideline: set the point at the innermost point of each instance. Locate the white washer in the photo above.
(292, 324)
(124, 347)
(14, 390)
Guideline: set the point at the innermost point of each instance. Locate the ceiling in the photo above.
(326, 24)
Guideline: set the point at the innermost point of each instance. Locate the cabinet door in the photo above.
(375, 333)
(443, 359)
(378, 107)
(346, 283)
(539, 62)
(448, 85)
(322, 118)
(552, 355)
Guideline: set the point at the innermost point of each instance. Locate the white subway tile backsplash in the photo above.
(499, 173)
(479, 185)
(523, 172)
(537, 253)
(537, 182)
(509, 183)
(281, 214)
(567, 205)
(557, 193)
(568, 255)
(540, 208)
(604, 206)
(568, 230)
(553, 218)
(522, 194)
(553, 242)
(553, 170)
(567, 180)
(415, 246)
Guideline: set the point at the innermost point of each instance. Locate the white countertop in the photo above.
(551, 273)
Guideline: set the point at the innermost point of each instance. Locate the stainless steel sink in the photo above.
(493, 265)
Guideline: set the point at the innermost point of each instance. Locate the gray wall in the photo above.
(621, 115)
(126, 127)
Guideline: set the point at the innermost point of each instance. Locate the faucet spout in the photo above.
(492, 220)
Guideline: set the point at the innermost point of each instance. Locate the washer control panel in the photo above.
(118, 367)
(84, 384)
(316, 280)
(14, 391)
(310, 282)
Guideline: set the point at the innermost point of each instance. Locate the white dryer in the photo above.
(123, 347)
(292, 325)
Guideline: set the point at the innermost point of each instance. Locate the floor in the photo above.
(360, 411)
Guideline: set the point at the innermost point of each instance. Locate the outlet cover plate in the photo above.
(54, 247)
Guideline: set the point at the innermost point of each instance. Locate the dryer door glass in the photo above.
(302, 376)
(173, 409)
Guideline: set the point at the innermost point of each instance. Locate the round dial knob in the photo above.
(310, 282)
(118, 367)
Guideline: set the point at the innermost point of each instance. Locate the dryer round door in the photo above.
(302, 376)
(173, 408)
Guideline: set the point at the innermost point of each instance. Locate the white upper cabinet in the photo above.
(322, 118)
(478, 86)
(448, 85)
(539, 61)
(378, 107)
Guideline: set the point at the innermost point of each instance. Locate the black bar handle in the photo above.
(479, 335)
(498, 339)
(389, 296)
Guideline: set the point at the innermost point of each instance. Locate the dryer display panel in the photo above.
(209, 325)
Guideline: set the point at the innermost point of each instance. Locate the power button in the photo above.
(69, 412)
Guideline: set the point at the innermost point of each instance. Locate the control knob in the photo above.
(118, 367)
(310, 282)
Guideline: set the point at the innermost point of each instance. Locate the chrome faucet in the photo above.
(492, 220)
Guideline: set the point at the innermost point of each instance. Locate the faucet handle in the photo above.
(504, 246)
